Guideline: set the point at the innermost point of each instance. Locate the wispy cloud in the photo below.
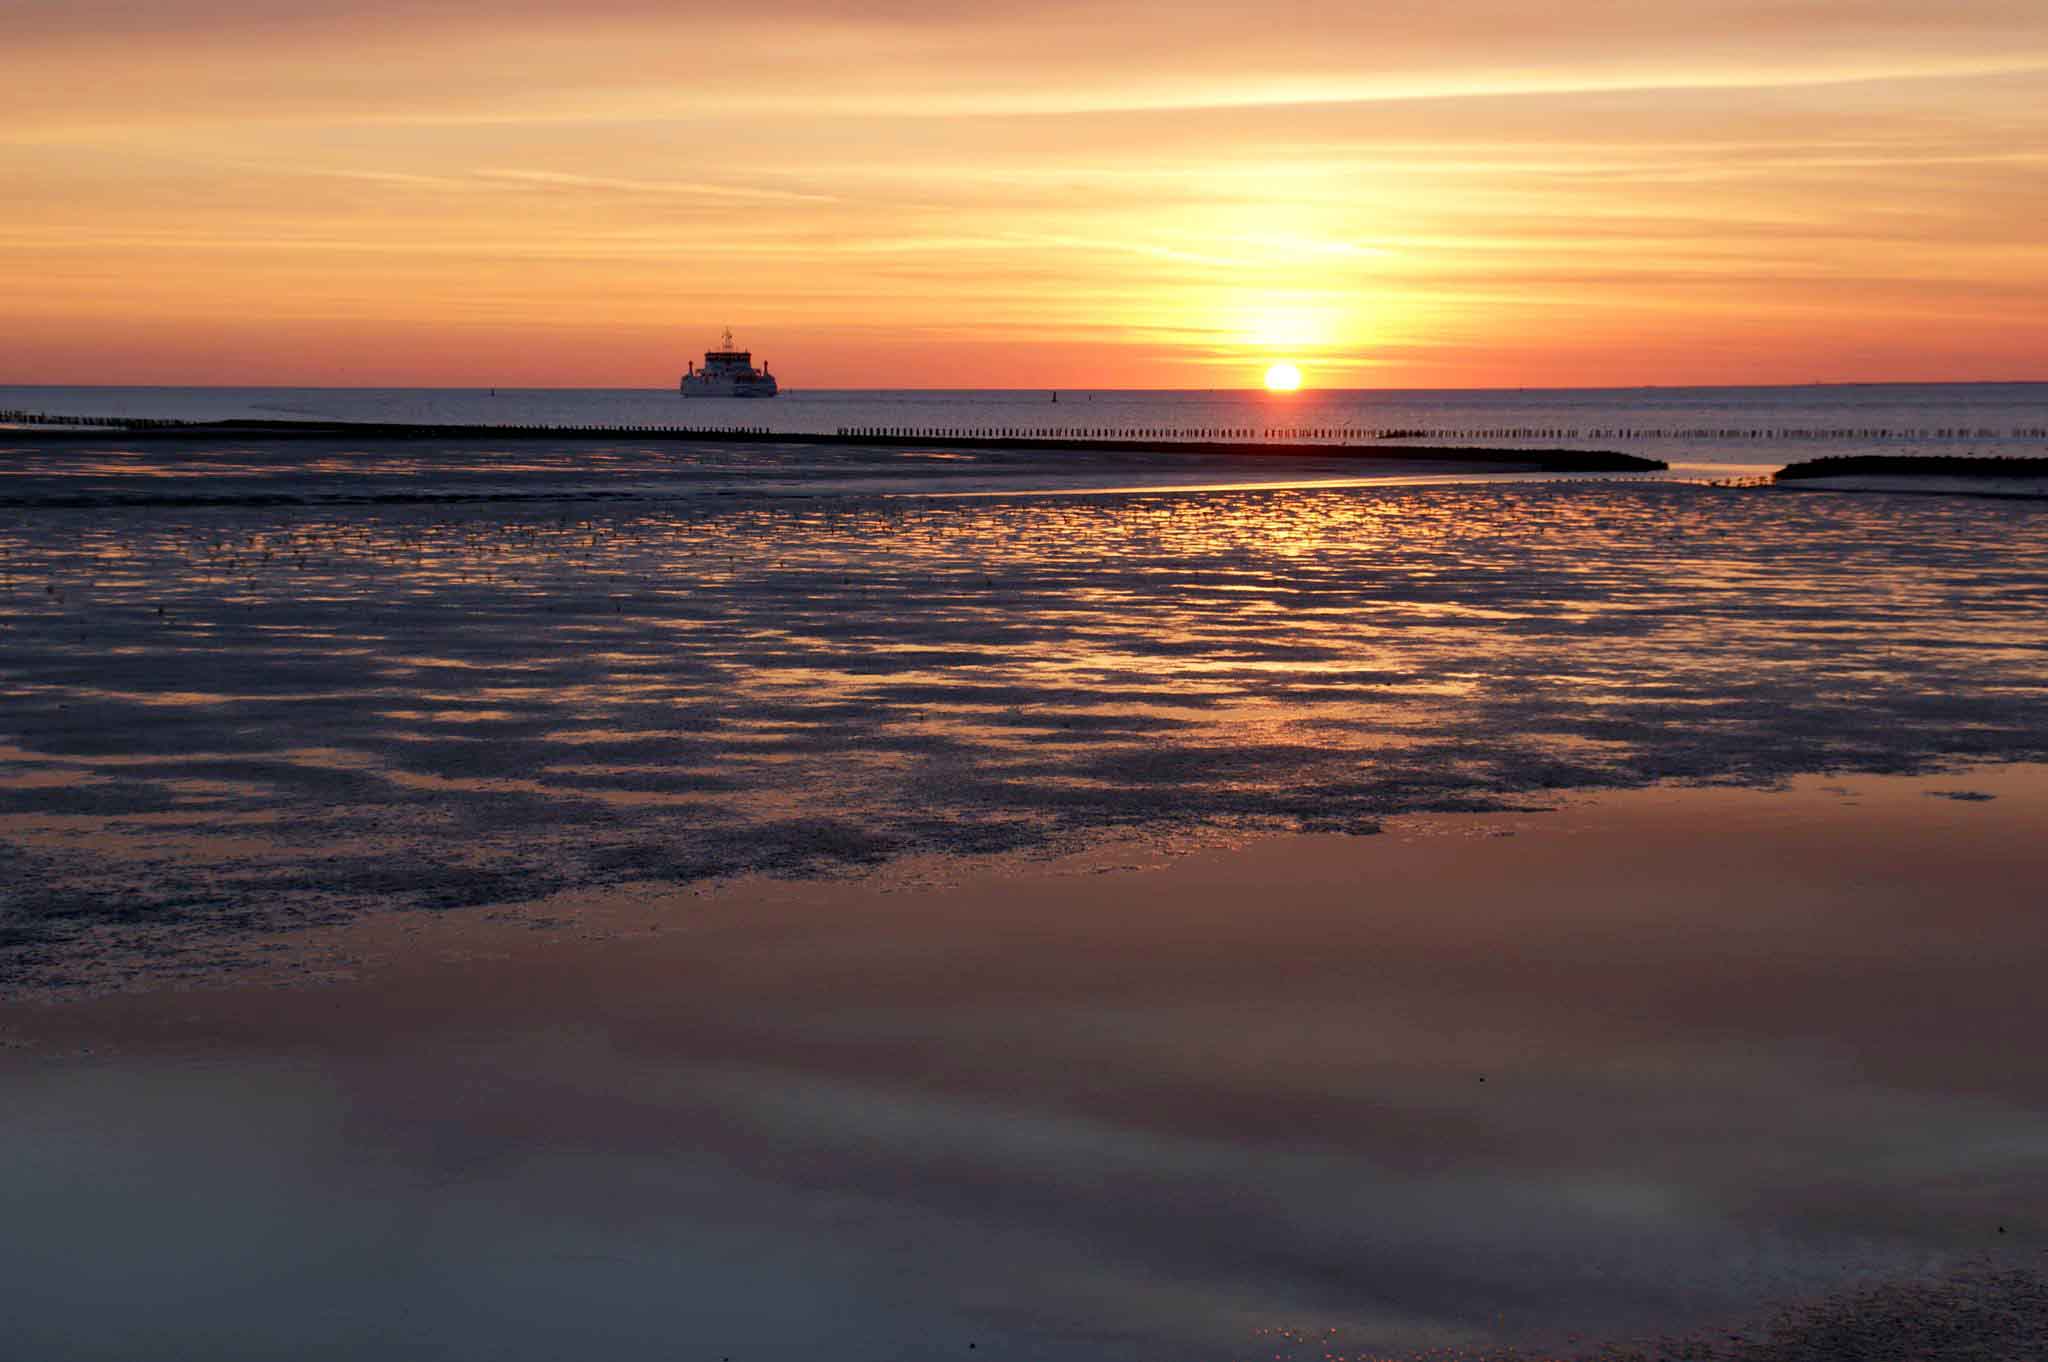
(696, 189)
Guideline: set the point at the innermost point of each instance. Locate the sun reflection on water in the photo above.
(524, 693)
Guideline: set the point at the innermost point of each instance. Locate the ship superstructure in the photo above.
(728, 372)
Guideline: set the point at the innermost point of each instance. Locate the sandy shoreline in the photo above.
(219, 723)
(1647, 1060)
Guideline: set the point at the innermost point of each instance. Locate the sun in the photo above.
(1283, 378)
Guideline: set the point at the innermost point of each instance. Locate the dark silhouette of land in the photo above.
(1534, 460)
(1914, 466)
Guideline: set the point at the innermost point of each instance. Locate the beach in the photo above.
(1633, 1064)
(263, 696)
(463, 906)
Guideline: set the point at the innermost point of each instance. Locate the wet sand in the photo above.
(1651, 1059)
(216, 722)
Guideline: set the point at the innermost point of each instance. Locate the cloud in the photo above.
(550, 179)
(612, 60)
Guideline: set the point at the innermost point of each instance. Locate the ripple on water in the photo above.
(438, 706)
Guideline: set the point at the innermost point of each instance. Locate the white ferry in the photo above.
(728, 373)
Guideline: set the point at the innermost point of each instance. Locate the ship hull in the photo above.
(698, 386)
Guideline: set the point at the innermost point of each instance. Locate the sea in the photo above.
(534, 665)
(1708, 431)
(618, 658)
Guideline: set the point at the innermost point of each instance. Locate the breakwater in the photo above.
(41, 418)
(1318, 441)
(1915, 466)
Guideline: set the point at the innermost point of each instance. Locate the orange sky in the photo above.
(907, 193)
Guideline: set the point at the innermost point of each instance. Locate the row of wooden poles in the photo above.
(1394, 433)
(429, 429)
(38, 418)
(1106, 433)
(1093, 433)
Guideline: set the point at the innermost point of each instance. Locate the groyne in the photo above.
(1326, 442)
(1915, 466)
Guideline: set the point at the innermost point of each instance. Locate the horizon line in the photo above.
(1305, 390)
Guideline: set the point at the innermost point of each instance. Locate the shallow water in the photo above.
(95, 473)
(1646, 1063)
(224, 719)
(1707, 429)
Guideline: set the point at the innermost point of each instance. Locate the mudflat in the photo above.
(1647, 1061)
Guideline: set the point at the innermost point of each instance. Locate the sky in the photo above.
(904, 193)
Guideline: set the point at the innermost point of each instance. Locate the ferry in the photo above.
(728, 373)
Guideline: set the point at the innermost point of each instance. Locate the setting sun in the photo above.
(1283, 378)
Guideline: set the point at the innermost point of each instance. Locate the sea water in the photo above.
(1712, 429)
(271, 712)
